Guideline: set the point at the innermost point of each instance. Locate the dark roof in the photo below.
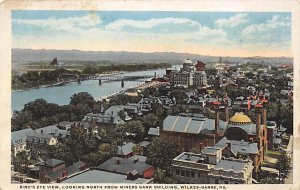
(192, 125)
(242, 147)
(124, 166)
(138, 157)
(51, 163)
(248, 128)
(231, 165)
(98, 176)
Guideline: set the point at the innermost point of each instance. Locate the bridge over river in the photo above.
(103, 78)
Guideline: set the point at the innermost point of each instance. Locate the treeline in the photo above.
(40, 113)
(33, 79)
(126, 67)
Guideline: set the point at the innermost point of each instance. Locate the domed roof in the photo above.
(187, 61)
(240, 118)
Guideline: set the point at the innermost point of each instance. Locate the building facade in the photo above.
(209, 167)
(189, 75)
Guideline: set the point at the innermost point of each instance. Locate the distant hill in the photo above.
(29, 55)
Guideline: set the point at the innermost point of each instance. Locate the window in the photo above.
(226, 182)
(199, 174)
(177, 171)
(182, 172)
(188, 174)
(216, 181)
(193, 174)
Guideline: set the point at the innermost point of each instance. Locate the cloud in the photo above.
(147, 24)
(232, 21)
(273, 23)
(70, 24)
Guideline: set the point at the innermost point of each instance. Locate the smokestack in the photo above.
(264, 112)
(226, 111)
(217, 117)
(258, 119)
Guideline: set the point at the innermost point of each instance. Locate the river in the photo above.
(61, 94)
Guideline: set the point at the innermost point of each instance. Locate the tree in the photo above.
(21, 162)
(162, 177)
(179, 95)
(150, 120)
(161, 152)
(77, 145)
(82, 98)
(283, 166)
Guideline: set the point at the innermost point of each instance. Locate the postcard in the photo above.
(149, 94)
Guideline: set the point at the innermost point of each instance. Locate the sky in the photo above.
(207, 33)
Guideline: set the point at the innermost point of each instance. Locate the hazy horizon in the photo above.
(230, 34)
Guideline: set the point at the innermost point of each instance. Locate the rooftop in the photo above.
(51, 163)
(97, 176)
(123, 165)
(193, 125)
(242, 147)
(231, 165)
(240, 118)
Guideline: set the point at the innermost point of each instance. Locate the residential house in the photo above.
(133, 168)
(18, 140)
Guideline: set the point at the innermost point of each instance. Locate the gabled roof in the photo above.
(51, 163)
(54, 130)
(19, 137)
(123, 166)
(242, 147)
(39, 138)
(125, 149)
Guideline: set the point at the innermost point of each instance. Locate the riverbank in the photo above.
(52, 83)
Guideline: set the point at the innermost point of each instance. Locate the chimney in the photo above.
(226, 111)
(118, 162)
(264, 112)
(217, 119)
(229, 145)
(135, 160)
(258, 119)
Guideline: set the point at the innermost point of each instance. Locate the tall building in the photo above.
(210, 167)
(189, 75)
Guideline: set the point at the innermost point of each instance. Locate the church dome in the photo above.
(240, 119)
(187, 62)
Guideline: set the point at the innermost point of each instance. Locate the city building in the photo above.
(241, 128)
(99, 176)
(189, 75)
(54, 171)
(195, 131)
(134, 168)
(210, 167)
(18, 140)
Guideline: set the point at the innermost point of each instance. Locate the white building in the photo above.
(189, 75)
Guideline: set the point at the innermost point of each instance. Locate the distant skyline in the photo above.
(206, 33)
